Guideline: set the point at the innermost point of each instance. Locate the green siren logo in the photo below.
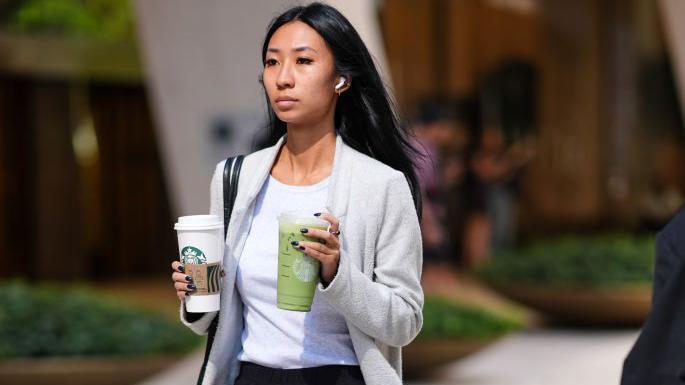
(193, 255)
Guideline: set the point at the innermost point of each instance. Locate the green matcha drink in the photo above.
(298, 273)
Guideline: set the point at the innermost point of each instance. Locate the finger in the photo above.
(177, 266)
(304, 245)
(184, 286)
(313, 253)
(335, 224)
(316, 250)
(182, 294)
(327, 237)
(180, 277)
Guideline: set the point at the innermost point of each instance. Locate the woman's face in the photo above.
(299, 65)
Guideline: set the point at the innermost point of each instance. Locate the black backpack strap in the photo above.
(230, 191)
(231, 174)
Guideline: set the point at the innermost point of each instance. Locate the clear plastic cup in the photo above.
(298, 273)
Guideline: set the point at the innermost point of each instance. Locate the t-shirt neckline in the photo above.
(305, 188)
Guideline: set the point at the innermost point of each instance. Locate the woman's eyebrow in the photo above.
(297, 49)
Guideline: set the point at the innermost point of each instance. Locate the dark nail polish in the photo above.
(301, 247)
(187, 293)
(189, 278)
(317, 214)
(181, 269)
(191, 286)
(295, 243)
(304, 230)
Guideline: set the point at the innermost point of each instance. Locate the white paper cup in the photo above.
(201, 250)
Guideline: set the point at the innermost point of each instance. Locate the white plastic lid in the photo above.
(198, 222)
(302, 217)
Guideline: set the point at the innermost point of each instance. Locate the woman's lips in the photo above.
(286, 103)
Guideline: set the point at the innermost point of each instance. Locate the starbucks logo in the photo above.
(193, 255)
(305, 268)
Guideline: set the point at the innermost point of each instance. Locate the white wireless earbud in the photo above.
(340, 83)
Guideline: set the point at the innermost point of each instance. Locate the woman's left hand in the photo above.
(328, 252)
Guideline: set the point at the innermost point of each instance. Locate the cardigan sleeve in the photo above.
(388, 308)
(199, 322)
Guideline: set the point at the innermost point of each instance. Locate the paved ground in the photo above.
(545, 357)
(541, 357)
(184, 373)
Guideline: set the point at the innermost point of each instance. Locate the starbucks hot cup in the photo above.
(201, 250)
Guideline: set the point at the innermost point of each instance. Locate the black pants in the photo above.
(254, 374)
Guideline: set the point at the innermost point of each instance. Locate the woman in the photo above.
(337, 145)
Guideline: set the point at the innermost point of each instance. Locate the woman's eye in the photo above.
(269, 62)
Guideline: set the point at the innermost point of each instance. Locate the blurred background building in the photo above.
(544, 117)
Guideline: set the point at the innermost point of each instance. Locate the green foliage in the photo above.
(599, 261)
(445, 319)
(37, 321)
(106, 19)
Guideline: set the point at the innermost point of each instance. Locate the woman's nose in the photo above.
(285, 78)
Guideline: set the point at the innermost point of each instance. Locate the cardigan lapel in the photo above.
(336, 201)
(262, 171)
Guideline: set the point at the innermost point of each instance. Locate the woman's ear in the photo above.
(343, 84)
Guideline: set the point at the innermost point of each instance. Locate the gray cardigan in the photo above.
(377, 287)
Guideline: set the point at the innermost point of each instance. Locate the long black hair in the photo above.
(365, 116)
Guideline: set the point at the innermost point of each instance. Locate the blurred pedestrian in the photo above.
(434, 133)
(658, 355)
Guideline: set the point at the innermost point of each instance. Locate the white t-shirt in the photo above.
(275, 337)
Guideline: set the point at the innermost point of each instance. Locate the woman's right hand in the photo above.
(183, 283)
